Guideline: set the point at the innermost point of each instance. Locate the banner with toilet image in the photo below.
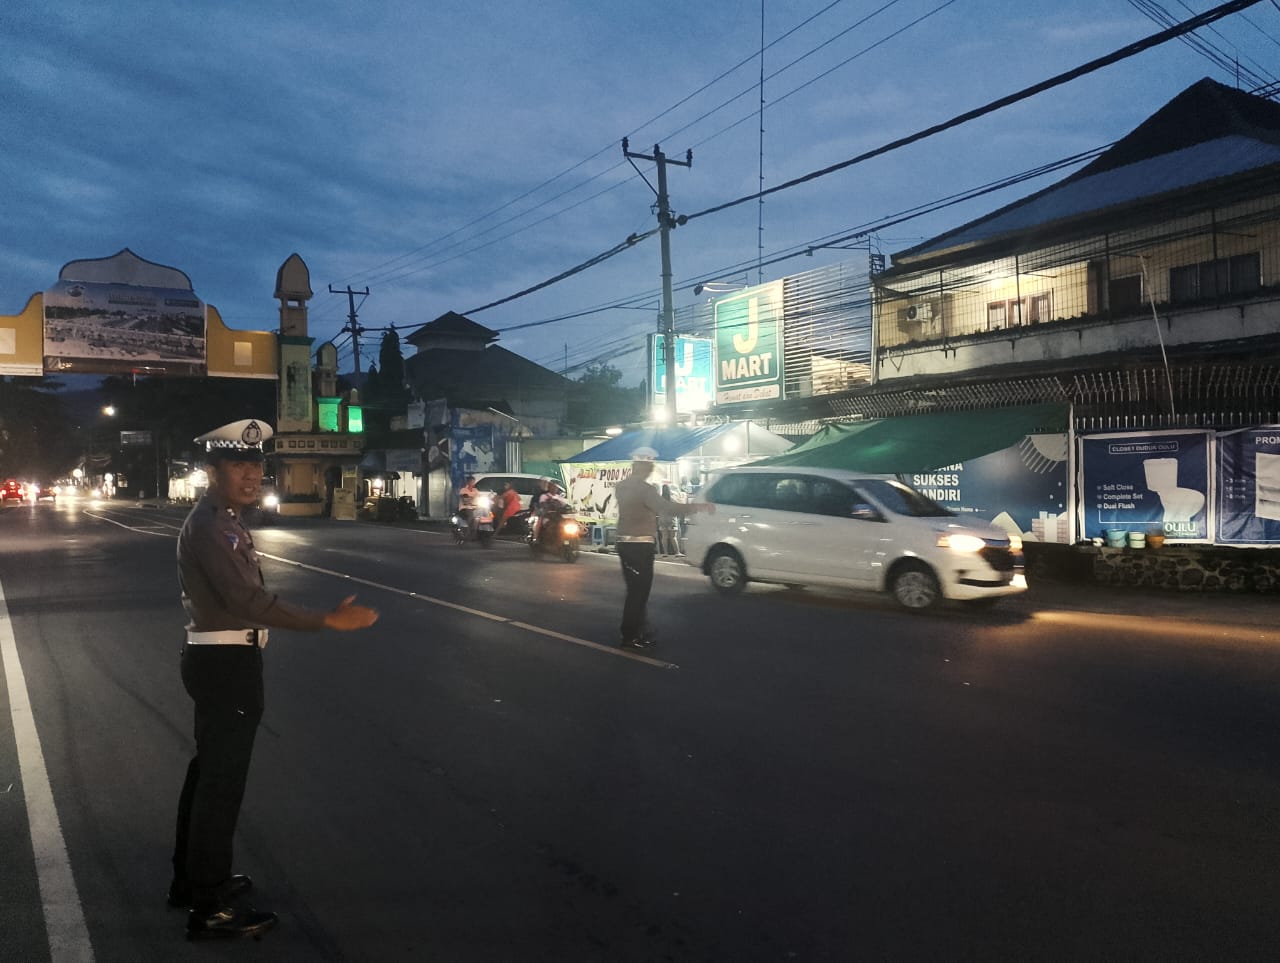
(1248, 493)
(1139, 483)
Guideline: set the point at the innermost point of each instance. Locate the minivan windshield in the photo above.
(902, 499)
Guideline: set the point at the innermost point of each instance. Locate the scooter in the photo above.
(476, 523)
(558, 532)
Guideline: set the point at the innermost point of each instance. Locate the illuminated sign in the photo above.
(355, 419)
(749, 345)
(693, 372)
(327, 413)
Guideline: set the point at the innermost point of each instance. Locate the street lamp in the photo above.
(718, 287)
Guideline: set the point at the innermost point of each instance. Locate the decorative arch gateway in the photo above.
(124, 314)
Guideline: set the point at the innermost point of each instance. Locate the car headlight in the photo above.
(961, 542)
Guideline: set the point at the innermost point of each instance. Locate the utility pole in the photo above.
(354, 328)
(665, 223)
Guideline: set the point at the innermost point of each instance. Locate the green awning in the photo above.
(922, 442)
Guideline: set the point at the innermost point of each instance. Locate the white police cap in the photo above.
(240, 439)
(644, 454)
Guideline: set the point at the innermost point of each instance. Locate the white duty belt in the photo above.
(255, 637)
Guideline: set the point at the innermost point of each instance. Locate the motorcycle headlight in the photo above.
(270, 501)
(484, 502)
(570, 528)
(961, 542)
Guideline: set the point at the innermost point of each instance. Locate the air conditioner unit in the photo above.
(923, 311)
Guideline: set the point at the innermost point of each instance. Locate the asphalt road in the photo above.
(791, 776)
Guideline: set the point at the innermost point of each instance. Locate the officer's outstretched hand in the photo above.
(348, 616)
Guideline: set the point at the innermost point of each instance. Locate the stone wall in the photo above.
(1189, 568)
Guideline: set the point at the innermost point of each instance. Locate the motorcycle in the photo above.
(474, 523)
(556, 531)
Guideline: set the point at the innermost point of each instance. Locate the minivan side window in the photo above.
(831, 497)
(743, 491)
(813, 495)
(904, 500)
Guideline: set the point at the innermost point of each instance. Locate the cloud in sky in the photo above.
(449, 154)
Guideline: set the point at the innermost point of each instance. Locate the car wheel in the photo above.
(728, 574)
(915, 587)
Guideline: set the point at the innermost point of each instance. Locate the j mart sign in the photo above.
(749, 345)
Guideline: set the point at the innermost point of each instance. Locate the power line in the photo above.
(1123, 53)
(404, 271)
(1129, 50)
(631, 241)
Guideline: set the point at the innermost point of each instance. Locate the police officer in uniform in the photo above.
(230, 612)
(639, 505)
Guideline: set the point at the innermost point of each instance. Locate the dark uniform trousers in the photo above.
(225, 682)
(637, 573)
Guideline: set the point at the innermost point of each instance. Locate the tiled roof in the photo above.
(492, 374)
(452, 323)
(1207, 133)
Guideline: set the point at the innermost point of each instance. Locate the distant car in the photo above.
(267, 511)
(12, 490)
(41, 492)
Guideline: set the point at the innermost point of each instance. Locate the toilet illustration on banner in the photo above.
(1180, 505)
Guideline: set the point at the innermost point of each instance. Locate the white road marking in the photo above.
(479, 613)
(443, 603)
(63, 915)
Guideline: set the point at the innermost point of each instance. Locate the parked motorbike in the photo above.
(556, 532)
(474, 523)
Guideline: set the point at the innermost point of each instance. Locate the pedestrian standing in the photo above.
(230, 611)
(669, 527)
(639, 503)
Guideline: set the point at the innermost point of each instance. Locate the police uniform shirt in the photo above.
(221, 578)
(639, 503)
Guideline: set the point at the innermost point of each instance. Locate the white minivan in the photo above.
(820, 526)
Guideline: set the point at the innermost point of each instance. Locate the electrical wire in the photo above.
(405, 271)
(1123, 53)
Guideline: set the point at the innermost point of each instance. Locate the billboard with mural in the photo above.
(1146, 482)
(101, 326)
(1248, 494)
(472, 450)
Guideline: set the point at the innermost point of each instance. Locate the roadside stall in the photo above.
(685, 456)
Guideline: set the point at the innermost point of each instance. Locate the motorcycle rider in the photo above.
(550, 503)
(468, 496)
(508, 506)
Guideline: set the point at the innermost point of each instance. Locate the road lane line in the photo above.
(612, 650)
(141, 530)
(63, 915)
(479, 613)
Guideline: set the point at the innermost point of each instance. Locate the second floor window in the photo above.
(1240, 274)
(1124, 293)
